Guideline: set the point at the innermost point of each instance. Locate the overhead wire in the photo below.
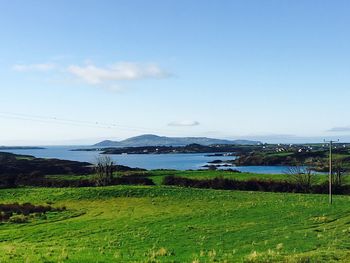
(74, 122)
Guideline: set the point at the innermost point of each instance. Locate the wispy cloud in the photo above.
(111, 77)
(94, 75)
(184, 123)
(340, 129)
(34, 67)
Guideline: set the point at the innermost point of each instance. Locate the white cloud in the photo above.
(94, 75)
(34, 67)
(185, 123)
(108, 77)
(340, 129)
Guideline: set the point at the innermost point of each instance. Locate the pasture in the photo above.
(171, 224)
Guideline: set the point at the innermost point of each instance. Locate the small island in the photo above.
(21, 148)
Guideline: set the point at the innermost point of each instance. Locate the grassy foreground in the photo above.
(166, 224)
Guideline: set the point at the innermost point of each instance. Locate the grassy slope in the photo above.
(129, 223)
(158, 175)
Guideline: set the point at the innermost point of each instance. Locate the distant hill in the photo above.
(154, 140)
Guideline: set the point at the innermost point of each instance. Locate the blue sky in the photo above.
(270, 70)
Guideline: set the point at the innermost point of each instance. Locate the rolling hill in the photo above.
(155, 140)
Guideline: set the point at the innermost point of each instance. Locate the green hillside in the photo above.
(169, 224)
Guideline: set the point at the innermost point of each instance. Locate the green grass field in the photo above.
(158, 175)
(169, 224)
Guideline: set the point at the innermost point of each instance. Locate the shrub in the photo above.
(18, 219)
(104, 171)
(17, 213)
(301, 176)
(252, 185)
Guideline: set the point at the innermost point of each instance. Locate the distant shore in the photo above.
(21, 148)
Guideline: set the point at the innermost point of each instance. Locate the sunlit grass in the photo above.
(126, 223)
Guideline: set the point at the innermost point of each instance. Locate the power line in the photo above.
(47, 121)
(73, 122)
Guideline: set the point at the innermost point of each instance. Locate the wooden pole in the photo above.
(330, 172)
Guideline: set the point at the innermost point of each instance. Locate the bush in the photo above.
(104, 171)
(252, 185)
(302, 176)
(124, 180)
(17, 213)
(18, 219)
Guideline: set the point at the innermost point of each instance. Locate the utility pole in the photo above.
(330, 169)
